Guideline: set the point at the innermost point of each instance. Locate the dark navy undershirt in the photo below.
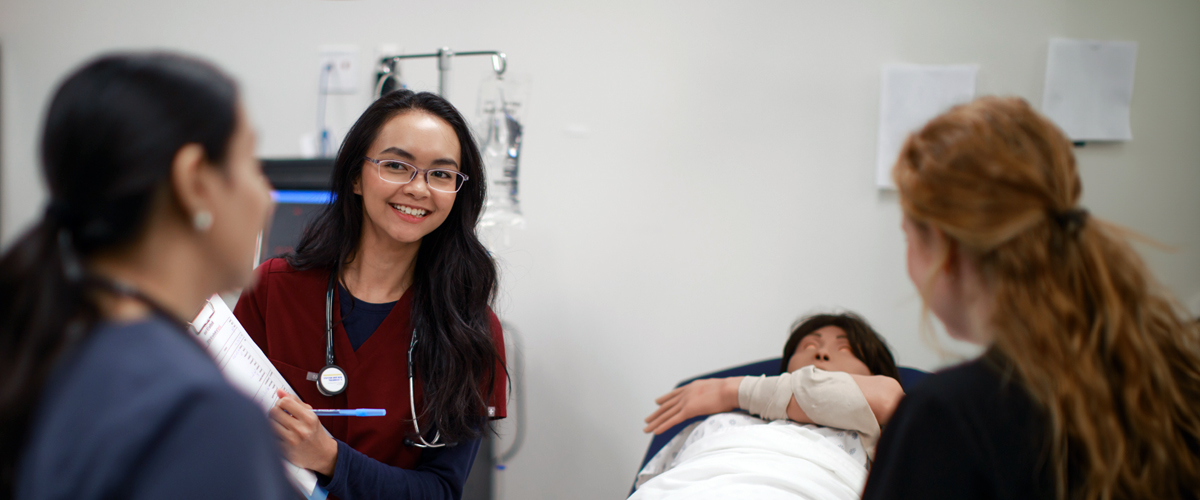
(361, 319)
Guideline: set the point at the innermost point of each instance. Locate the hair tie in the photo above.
(1071, 221)
(72, 267)
(58, 213)
(59, 210)
(86, 229)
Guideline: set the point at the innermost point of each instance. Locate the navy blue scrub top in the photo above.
(139, 410)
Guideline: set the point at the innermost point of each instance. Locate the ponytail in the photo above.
(1123, 412)
(43, 313)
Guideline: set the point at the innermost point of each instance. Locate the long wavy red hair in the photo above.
(1094, 339)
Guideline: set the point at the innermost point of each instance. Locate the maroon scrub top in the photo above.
(284, 312)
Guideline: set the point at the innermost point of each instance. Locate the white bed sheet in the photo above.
(734, 455)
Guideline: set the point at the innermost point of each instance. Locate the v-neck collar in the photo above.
(395, 328)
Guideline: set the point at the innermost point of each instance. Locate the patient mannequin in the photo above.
(815, 438)
(828, 343)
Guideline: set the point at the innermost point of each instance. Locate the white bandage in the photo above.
(767, 397)
(832, 399)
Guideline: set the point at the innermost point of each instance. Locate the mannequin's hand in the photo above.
(701, 397)
(304, 441)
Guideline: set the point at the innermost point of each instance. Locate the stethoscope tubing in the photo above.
(329, 363)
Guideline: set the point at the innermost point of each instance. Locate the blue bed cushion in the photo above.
(908, 378)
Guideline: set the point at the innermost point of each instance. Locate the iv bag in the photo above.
(500, 133)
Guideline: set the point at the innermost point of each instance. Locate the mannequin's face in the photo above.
(827, 348)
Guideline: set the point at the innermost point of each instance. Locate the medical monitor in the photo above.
(300, 189)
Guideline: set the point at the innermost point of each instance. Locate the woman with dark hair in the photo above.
(1090, 384)
(827, 342)
(385, 304)
(156, 199)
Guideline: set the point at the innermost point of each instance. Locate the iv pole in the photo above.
(389, 67)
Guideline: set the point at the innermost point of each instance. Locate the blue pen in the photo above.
(357, 412)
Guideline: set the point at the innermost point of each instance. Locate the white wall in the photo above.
(650, 256)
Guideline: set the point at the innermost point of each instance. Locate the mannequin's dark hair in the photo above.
(455, 278)
(111, 135)
(865, 342)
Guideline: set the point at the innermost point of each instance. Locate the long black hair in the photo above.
(865, 343)
(111, 135)
(453, 283)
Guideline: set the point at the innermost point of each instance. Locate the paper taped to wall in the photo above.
(249, 370)
(1089, 88)
(912, 95)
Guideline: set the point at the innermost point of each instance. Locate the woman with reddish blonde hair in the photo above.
(1090, 384)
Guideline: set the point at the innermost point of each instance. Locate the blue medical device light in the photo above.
(302, 197)
(300, 188)
(294, 210)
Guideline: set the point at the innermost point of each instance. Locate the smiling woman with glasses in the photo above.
(385, 304)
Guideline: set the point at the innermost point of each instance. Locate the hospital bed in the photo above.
(909, 377)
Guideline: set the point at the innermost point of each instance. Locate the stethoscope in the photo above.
(127, 289)
(332, 380)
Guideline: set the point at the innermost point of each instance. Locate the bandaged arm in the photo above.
(832, 399)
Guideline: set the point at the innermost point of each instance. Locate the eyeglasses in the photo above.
(438, 179)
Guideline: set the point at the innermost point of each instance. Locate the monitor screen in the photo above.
(293, 212)
(300, 188)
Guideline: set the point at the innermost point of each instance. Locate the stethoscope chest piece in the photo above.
(331, 380)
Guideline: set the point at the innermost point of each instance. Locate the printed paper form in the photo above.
(1089, 88)
(911, 95)
(249, 370)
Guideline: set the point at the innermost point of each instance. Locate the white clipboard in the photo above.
(249, 370)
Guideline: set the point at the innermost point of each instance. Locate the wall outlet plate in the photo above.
(388, 49)
(339, 69)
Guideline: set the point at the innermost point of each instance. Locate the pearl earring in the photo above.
(202, 220)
